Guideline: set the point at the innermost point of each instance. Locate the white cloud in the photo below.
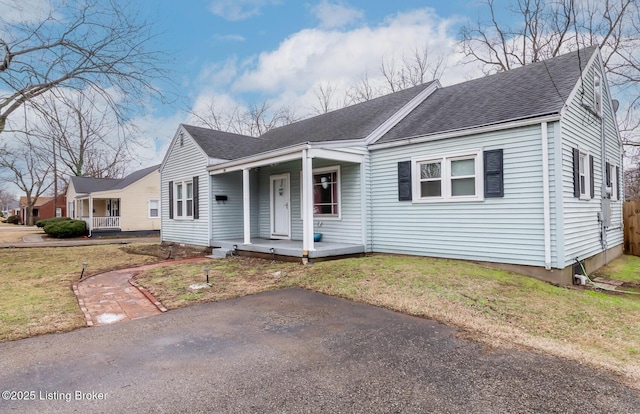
(25, 11)
(236, 10)
(314, 55)
(290, 74)
(336, 15)
(229, 37)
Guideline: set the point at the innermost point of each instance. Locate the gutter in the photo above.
(478, 129)
(545, 196)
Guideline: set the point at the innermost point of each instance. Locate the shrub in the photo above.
(13, 219)
(62, 229)
(44, 222)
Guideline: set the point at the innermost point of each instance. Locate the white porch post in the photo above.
(90, 214)
(307, 203)
(246, 205)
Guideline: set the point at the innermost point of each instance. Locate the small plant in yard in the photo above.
(61, 229)
(44, 222)
(13, 219)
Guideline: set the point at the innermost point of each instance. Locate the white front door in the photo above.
(280, 203)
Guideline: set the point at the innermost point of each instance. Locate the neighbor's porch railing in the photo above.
(100, 223)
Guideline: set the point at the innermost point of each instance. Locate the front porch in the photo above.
(99, 213)
(292, 249)
(280, 201)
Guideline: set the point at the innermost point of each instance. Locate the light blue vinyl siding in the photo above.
(506, 230)
(581, 129)
(227, 217)
(184, 163)
(348, 229)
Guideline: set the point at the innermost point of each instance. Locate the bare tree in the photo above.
(254, 121)
(325, 97)
(414, 70)
(361, 91)
(86, 45)
(27, 170)
(547, 28)
(81, 136)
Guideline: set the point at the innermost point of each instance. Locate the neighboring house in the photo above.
(44, 208)
(522, 169)
(128, 204)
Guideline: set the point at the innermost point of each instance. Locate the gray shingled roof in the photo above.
(224, 145)
(536, 89)
(85, 185)
(350, 123)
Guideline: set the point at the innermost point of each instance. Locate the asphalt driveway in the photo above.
(291, 351)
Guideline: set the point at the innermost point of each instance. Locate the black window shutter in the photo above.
(576, 173)
(493, 174)
(617, 184)
(607, 171)
(591, 177)
(404, 181)
(196, 191)
(170, 199)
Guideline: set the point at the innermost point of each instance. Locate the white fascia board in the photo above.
(578, 84)
(291, 153)
(335, 155)
(259, 160)
(465, 132)
(402, 113)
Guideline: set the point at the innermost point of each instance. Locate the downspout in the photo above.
(545, 196)
(603, 189)
(90, 214)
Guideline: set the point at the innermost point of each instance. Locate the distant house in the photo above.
(128, 204)
(44, 208)
(522, 169)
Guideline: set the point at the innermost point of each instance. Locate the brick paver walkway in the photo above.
(113, 297)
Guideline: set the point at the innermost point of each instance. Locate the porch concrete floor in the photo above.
(291, 248)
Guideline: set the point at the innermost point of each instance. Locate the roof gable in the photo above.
(537, 89)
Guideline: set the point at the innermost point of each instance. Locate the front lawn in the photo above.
(496, 307)
(36, 295)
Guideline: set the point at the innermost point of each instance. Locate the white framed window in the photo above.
(597, 94)
(153, 208)
(326, 193)
(183, 199)
(584, 174)
(448, 177)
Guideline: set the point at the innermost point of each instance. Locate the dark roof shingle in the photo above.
(536, 89)
(85, 185)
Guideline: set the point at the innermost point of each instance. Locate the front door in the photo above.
(280, 202)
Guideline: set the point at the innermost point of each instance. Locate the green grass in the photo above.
(36, 295)
(494, 306)
(625, 268)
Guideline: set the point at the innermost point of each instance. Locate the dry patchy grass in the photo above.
(11, 233)
(494, 306)
(234, 277)
(36, 295)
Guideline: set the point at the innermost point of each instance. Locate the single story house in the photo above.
(44, 208)
(522, 169)
(128, 204)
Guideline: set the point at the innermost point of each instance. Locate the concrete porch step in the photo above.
(219, 253)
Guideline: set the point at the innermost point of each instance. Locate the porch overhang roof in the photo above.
(287, 154)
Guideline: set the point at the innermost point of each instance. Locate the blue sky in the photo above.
(236, 52)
